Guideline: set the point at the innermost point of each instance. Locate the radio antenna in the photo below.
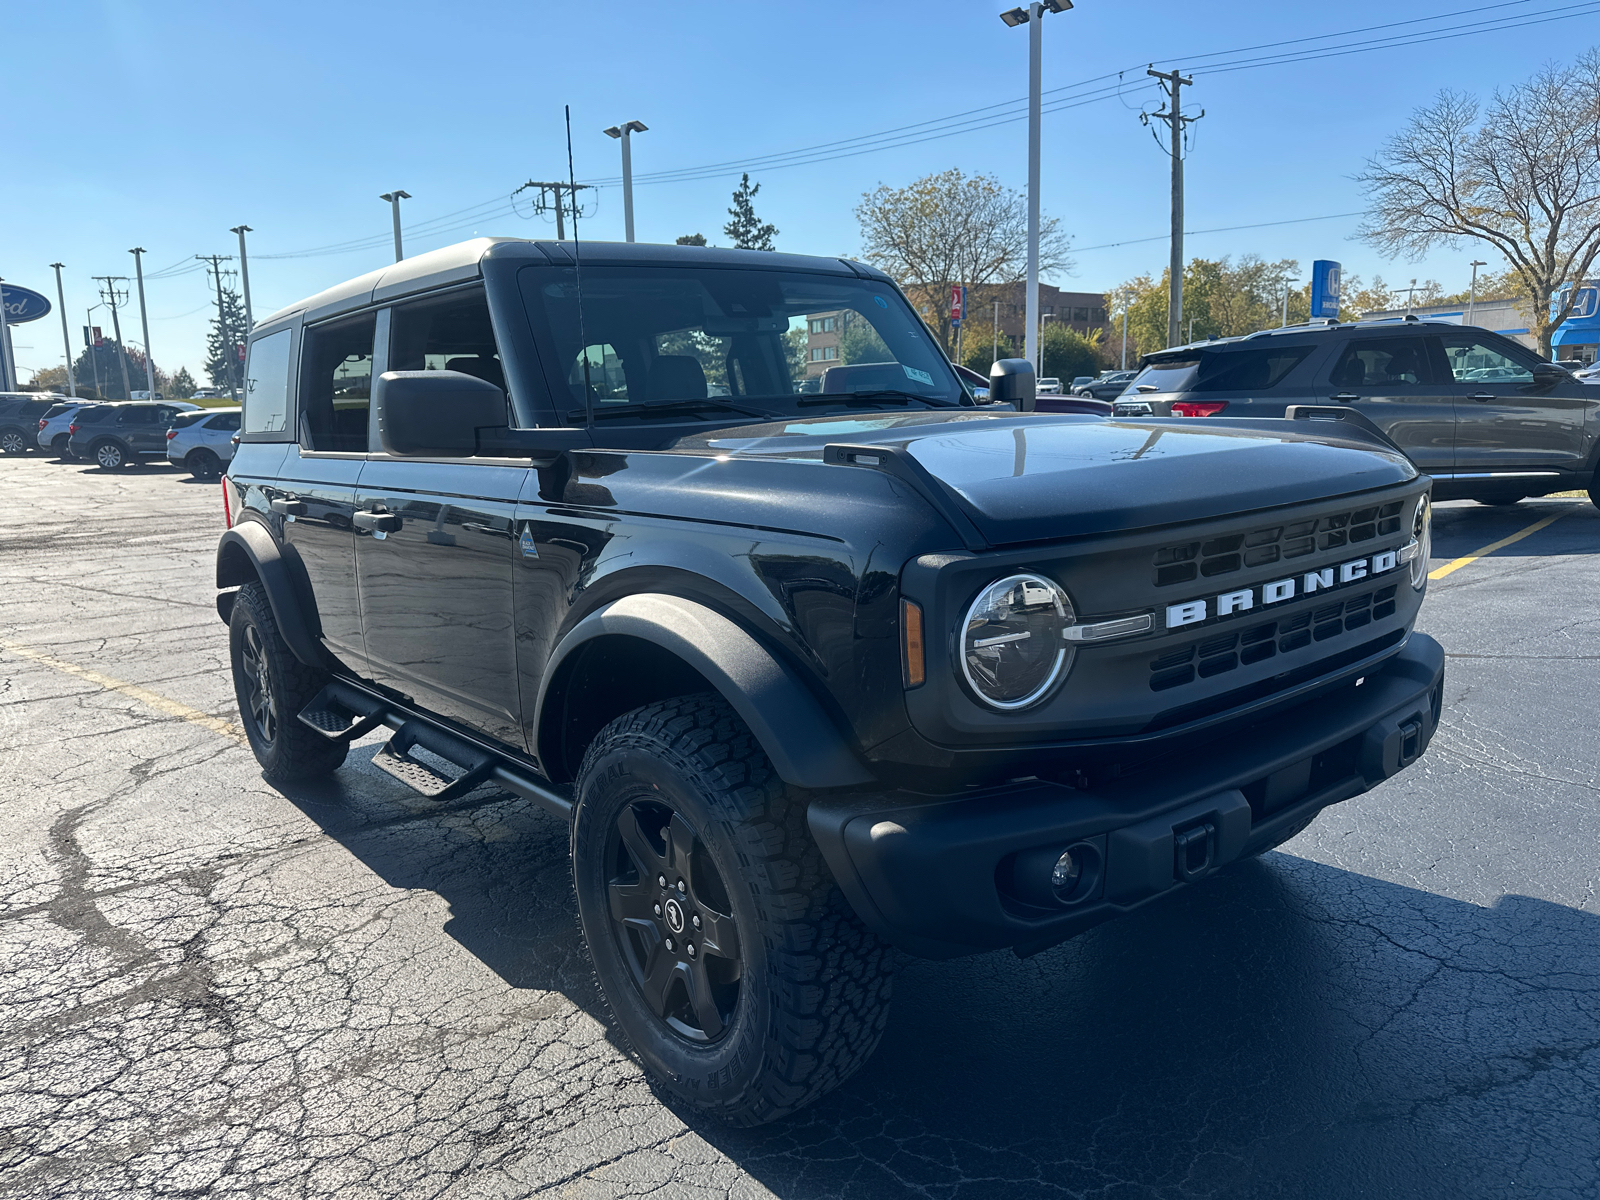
(577, 265)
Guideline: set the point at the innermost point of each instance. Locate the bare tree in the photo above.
(948, 229)
(1524, 179)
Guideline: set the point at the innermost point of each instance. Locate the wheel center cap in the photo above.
(674, 912)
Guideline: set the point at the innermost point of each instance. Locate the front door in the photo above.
(1392, 381)
(1505, 422)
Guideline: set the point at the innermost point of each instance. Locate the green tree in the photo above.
(103, 363)
(1065, 353)
(178, 386)
(228, 333)
(859, 341)
(746, 229)
(695, 239)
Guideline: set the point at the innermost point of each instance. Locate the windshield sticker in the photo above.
(919, 376)
(880, 301)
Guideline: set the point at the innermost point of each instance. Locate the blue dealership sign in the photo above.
(22, 304)
(1324, 289)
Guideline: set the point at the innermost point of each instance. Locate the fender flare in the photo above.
(805, 746)
(296, 619)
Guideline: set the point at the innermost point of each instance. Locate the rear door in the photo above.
(1395, 383)
(137, 426)
(434, 556)
(1504, 420)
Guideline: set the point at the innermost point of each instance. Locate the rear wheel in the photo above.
(728, 957)
(59, 446)
(1594, 488)
(203, 464)
(272, 686)
(110, 456)
(13, 442)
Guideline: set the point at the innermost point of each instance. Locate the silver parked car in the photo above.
(202, 441)
(53, 432)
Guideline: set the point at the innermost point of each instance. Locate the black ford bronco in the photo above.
(711, 554)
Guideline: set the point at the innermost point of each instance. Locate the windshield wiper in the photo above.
(661, 407)
(881, 396)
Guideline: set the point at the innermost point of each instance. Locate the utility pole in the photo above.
(994, 354)
(228, 354)
(66, 335)
(1124, 331)
(144, 322)
(88, 342)
(394, 199)
(110, 293)
(554, 191)
(622, 132)
(1472, 292)
(1173, 84)
(244, 275)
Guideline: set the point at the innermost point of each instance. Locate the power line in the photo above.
(1161, 237)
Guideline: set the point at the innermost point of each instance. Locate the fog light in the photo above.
(1064, 877)
(1050, 877)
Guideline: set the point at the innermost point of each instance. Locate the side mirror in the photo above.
(1547, 374)
(436, 414)
(1011, 382)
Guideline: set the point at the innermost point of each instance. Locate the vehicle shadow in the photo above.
(1462, 527)
(1286, 1028)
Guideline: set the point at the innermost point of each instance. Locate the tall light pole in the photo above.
(621, 132)
(994, 354)
(8, 372)
(1288, 286)
(244, 275)
(66, 335)
(1124, 330)
(144, 322)
(1472, 291)
(1033, 18)
(394, 199)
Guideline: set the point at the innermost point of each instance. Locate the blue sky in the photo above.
(162, 125)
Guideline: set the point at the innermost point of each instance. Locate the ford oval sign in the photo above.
(22, 304)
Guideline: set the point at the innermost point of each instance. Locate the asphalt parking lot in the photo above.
(214, 987)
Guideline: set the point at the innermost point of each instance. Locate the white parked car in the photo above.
(1048, 385)
(53, 432)
(202, 441)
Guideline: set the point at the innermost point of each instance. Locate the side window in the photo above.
(136, 416)
(447, 333)
(266, 384)
(226, 423)
(336, 385)
(1479, 361)
(1383, 362)
(606, 375)
(1255, 369)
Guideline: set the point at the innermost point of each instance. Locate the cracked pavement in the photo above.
(214, 987)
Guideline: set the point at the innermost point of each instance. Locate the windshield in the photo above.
(705, 343)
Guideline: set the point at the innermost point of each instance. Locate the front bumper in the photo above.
(939, 877)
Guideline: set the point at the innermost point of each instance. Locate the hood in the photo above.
(1033, 477)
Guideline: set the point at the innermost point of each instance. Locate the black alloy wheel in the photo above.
(263, 709)
(203, 464)
(110, 456)
(12, 442)
(673, 921)
(60, 448)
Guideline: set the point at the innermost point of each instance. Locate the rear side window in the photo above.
(225, 423)
(55, 410)
(1252, 370)
(336, 385)
(447, 333)
(136, 416)
(266, 384)
(184, 420)
(1383, 362)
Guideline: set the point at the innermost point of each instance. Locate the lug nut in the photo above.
(696, 920)
(681, 888)
(661, 881)
(658, 910)
(691, 949)
(669, 943)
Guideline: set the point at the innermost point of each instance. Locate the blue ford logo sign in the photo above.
(22, 304)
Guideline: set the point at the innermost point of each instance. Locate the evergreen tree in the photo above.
(180, 386)
(228, 333)
(100, 368)
(692, 239)
(746, 229)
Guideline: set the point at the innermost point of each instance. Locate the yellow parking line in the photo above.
(1441, 572)
(143, 695)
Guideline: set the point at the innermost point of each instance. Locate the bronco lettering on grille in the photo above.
(1244, 600)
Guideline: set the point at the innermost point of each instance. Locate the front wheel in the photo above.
(12, 442)
(110, 456)
(729, 958)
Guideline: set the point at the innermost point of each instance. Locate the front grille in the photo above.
(1221, 652)
(1273, 543)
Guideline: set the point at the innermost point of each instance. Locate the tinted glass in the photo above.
(226, 423)
(1173, 375)
(336, 385)
(137, 415)
(1383, 362)
(451, 333)
(782, 342)
(184, 420)
(266, 384)
(1475, 360)
(55, 410)
(1252, 370)
(95, 414)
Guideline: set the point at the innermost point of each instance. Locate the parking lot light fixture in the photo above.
(1472, 291)
(394, 199)
(1033, 17)
(622, 132)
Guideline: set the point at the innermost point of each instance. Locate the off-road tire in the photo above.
(109, 455)
(814, 983)
(291, 751)
(203, 464)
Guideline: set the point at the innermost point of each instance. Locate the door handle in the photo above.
(1483, 396)
(1344, 397)
(289, 507)
(376, 522)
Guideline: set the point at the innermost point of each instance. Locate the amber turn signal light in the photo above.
(911, 642)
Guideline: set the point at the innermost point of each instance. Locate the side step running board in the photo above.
(342, 714)
(395, 759)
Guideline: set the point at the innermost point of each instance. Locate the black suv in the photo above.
(1486, 417)
(115, 435)
(815, 662)
(19, 420)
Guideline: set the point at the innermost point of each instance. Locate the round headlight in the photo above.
(1012, 647)
(1422, 534)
